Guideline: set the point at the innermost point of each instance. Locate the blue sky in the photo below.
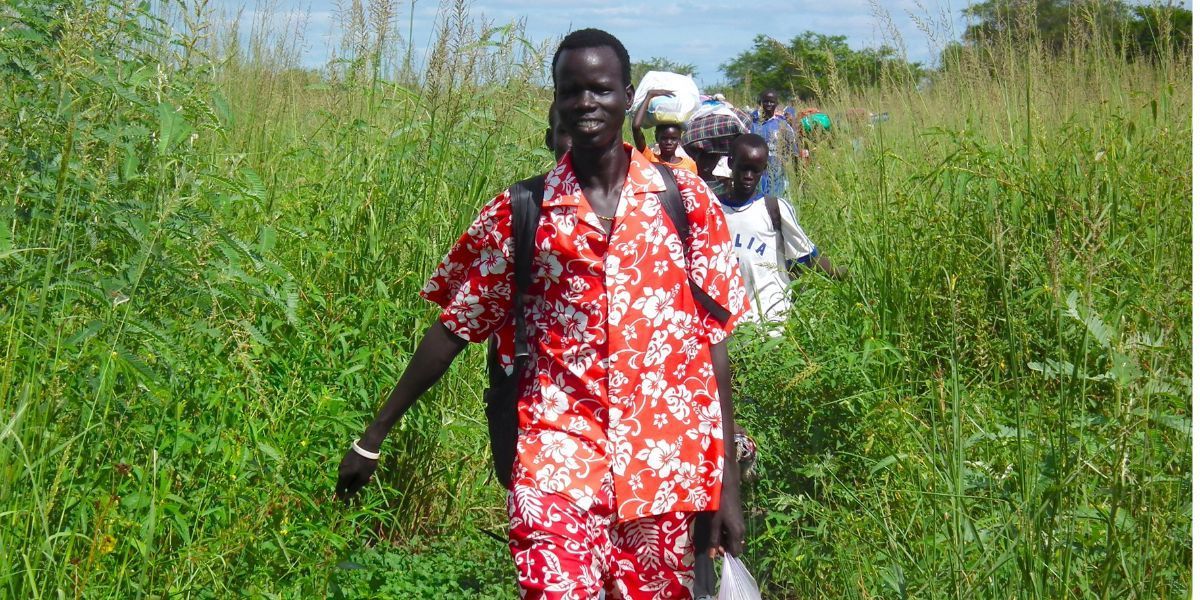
(703, 33)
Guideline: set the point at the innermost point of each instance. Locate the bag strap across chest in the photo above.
(526, 199)
(772, 203)
(672, 203)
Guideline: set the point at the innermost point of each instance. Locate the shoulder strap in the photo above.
(777, 226)
(776, 217)
(672, 203)
(526, 199)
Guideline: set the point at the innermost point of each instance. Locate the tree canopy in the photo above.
(1137, 29)
(811, 65)
(658, 63)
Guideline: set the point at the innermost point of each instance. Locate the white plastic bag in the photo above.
(675, 109)
(736, 582)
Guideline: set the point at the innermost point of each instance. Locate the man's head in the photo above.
(592, 87)
(557, 138)
(667, 137)
(769, 101)
(749, 158)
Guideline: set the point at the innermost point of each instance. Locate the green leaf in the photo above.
(172, 128)
(270, 451)
(886, 462)
(254, 186)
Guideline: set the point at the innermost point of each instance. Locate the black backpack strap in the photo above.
(526, 199)
(672, 203)
(776, 217)
(777, 227)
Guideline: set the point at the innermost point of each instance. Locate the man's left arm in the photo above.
(728, 531)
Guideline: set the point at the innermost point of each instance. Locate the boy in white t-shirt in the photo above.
(771, 245)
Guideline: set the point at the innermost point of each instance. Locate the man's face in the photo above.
(668, 141)
(769, 102)
(748, 166)
(590, 96)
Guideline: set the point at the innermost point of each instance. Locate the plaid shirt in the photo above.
(714, 132)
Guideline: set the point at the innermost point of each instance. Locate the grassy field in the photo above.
(208, 277)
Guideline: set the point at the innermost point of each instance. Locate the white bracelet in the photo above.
(363, 453)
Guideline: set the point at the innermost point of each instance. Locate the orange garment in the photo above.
(620, 380)
(685, 163)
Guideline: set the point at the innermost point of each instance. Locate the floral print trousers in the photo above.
(564, 552)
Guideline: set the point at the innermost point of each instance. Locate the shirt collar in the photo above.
(739, 206)
(562, 188)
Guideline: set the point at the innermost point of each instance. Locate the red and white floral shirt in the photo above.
(620, 376)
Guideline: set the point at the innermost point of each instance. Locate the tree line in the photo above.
(813, 65)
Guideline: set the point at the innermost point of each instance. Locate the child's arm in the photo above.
(639, 138)
(822, 263)
(801, 253)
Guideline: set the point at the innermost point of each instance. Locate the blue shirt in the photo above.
(781, 139)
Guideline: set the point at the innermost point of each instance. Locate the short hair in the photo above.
(593, 38)
(666, 126)
(765, 92)
(552, 116)
(748, 141)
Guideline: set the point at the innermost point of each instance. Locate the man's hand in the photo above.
(728, 533)
(354, 473)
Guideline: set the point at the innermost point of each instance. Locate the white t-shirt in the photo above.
(758, 250)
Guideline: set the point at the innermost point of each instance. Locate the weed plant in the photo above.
(209, 269)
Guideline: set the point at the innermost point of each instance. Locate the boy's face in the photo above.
(558, 139)
(668, 140)
(590, 97)
(748, 166)
(769, 102)
(705, 163)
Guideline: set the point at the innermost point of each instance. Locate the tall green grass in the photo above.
(997, 403)
(209, 269)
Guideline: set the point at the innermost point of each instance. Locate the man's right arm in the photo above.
(433, 357)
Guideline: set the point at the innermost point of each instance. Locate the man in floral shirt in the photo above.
(620, 406)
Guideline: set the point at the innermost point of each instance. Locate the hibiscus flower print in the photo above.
(555, 402)
(653, 383)
(559, 447)
(653, 302)
(491, 261)
(661, 456)
(549, 268)
(573, 321)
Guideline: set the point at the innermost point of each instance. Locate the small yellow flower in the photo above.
(108, 543)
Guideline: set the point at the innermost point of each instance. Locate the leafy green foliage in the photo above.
(813, 65)
(1145, 30)
(210, 272)
(639, 68)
